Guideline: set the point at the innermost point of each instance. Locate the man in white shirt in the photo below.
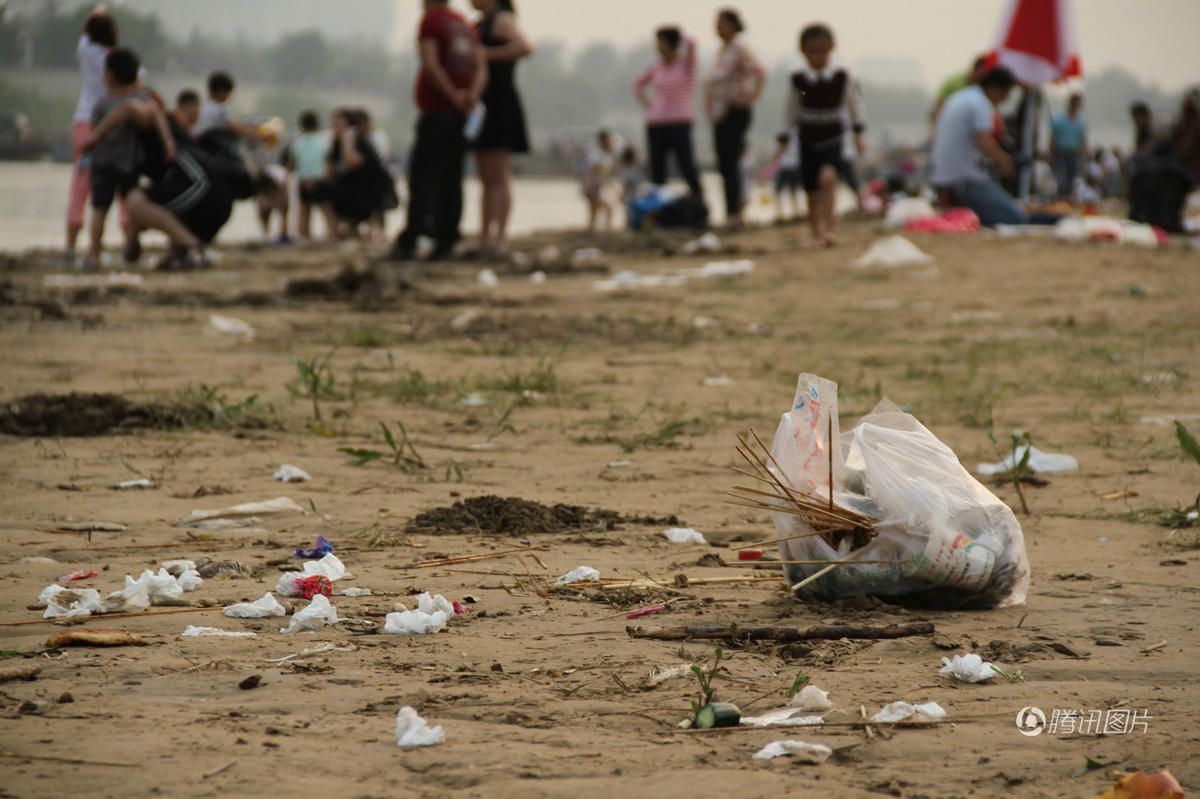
(964, 140)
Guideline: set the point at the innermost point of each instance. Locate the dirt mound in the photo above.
(82, 414)
(517, 517)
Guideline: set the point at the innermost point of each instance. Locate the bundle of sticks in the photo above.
(826, 519)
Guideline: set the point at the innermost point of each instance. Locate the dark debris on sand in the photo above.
(81, 414)
(513, 516)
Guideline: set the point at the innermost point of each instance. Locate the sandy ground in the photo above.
(599, 400)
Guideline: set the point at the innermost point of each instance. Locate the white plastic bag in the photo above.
(684, 535)
(191, 631)
(412, 730)
(1040, 462)
(944, 540)
(69, 603)
(329, 566)
(805, 752)
(811, 698)
(318, 613)
(261, 608)
(287, 473)
(894, 251)
(580, 574)
(415, 622)
(903, 711)
(968, 668)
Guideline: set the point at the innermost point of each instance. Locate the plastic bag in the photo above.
(805, 752)
(684, 535)
(318, 613)
(261, 608)
(894, 251)
(903, 711)
(968, 668)
(412, 730)
(580, 574)
(944, 540)
(69, 603)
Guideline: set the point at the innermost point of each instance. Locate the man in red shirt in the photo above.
(452, 78)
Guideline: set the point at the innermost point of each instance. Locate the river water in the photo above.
(33, 202)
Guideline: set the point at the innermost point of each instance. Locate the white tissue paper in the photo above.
(903, 711)
(811, 698)
(69, 603)
(804, 752)
(355, 591)
(684, 535)
(580, 574)
(968, 668)
(258, 609)
(318, 613)
(288, 473)
(412, 730)
(213, 632)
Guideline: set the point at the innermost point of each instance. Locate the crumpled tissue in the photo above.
(1040, 462)
(903, 711)
(684, 535)
(318, 613)
(258, 609)
(968, 668)
(580, 574)
(412, 730)
(805, 752)
(784, 717)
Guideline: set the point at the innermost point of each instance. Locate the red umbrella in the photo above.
(1037, 41)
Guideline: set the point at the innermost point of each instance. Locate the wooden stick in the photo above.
(429, 564)
(74, 761)
(111, 616)
(815, 576)
(217, 771)
(817, 562)
(829, 428)
(772, 541)
(831, 632)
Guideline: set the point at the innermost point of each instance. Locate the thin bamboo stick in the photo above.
(111, 616)
(429, 564)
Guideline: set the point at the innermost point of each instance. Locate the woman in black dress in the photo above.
(503, 131)
(359, 185)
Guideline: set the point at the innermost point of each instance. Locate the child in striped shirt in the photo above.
(820, 100)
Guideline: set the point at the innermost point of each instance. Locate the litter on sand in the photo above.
(288, 473)
(1040, 462)
(134, 484)
(355, 591)
(321, 548)
(903, 711)
(69, 603)
(894, 251)
(968, 668)
(628, 279)
(899, 503)
(431, 615)
(412, 730)
(580, 574)
(784, 717)
(683, 535)
(228, 326)
(1138, 785)
(803, 752)
(318, 614)
(261, 608)
(267, 508)
(811, 698)
(213, 632)
(709, 242)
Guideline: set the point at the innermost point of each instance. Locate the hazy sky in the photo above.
(1157, 40)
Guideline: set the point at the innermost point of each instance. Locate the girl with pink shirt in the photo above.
(669, 108)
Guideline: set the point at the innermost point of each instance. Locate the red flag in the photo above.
(1037, 41)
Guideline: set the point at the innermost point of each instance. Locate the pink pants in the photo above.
(81, 185)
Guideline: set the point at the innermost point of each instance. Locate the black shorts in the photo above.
(314, 191)
(201, 201)
(106, 185)
(815, 156)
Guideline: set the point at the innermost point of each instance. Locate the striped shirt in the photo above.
(673, 86)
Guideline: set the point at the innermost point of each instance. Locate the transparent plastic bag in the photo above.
(941, 539)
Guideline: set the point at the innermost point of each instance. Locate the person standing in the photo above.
(450, 82)
(503, 131)
(732, 87)
(964, 137)
(98, 37)
(669, 111)
(1068, 146)
(821, 100)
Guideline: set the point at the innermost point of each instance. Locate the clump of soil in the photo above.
(82, 414)
(517, 517)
